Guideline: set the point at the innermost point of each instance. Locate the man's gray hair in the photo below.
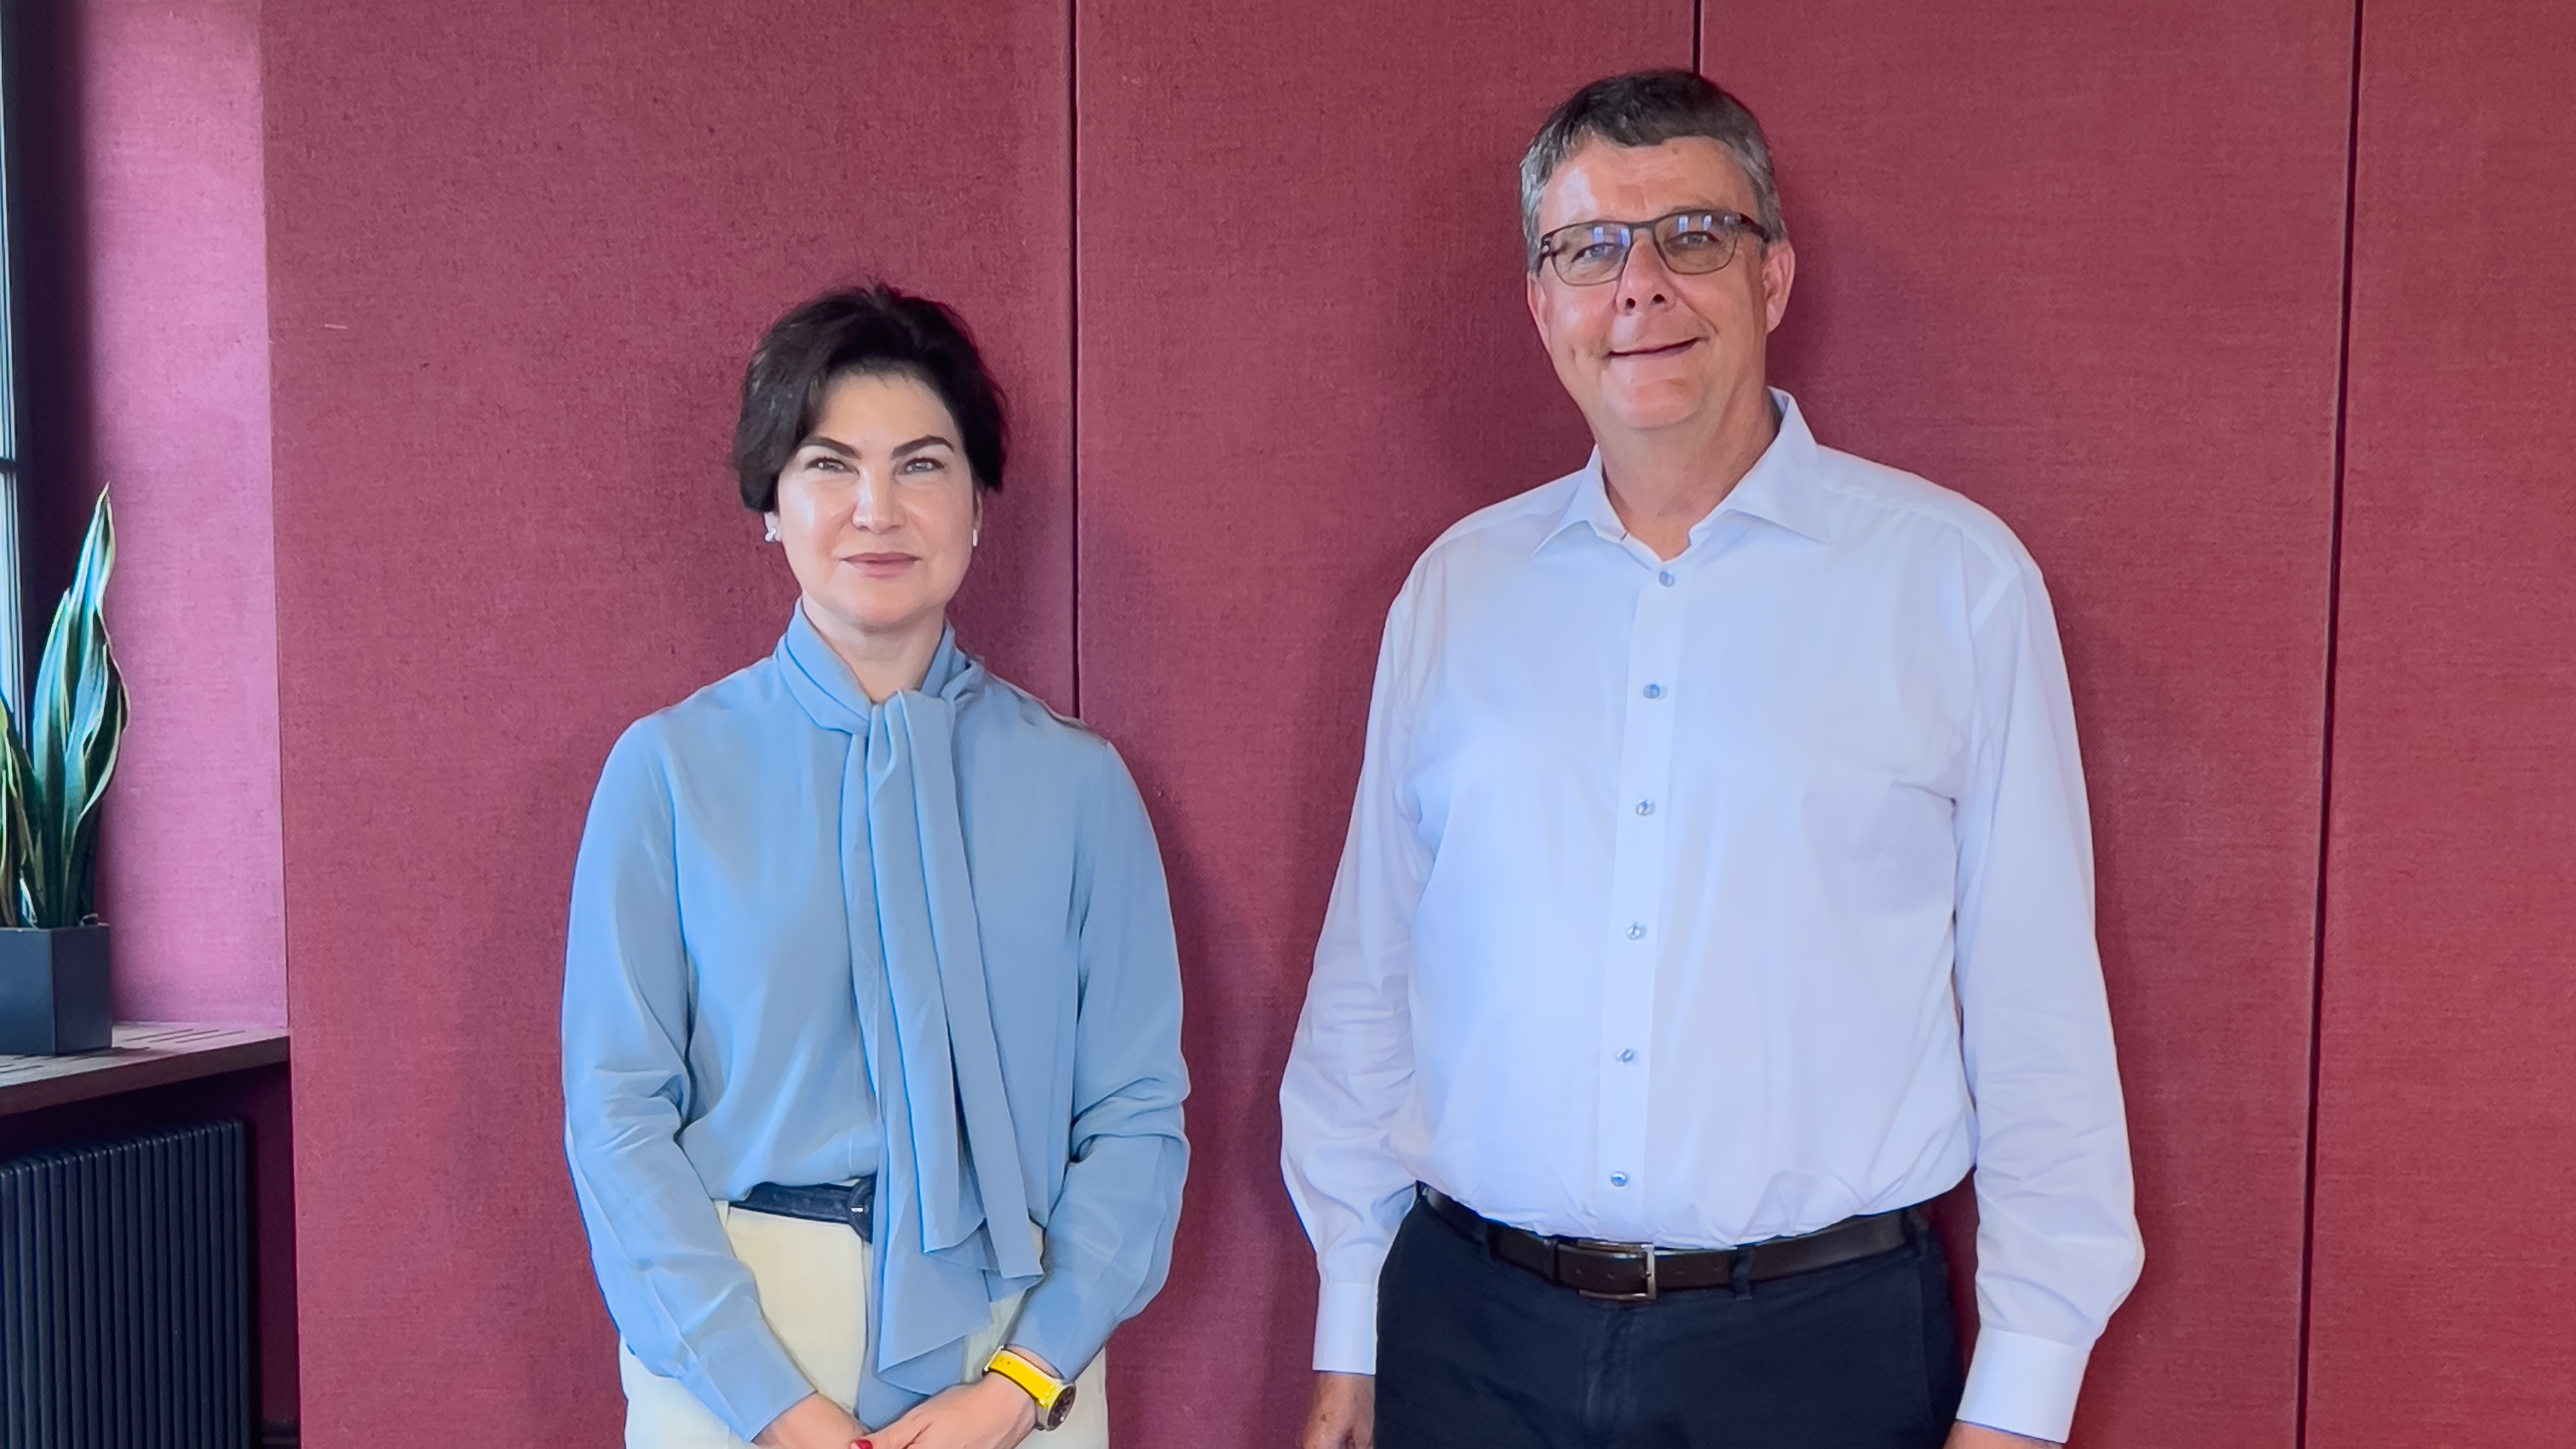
(1648, 108)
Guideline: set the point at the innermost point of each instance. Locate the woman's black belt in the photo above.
(1638, 1272)
(851, 1204)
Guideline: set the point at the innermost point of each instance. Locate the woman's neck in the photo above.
(884, 662)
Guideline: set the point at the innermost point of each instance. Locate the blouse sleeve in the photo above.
(683, 1303)
(1109, 1238)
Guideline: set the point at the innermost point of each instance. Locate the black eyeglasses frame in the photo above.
(1733, 225)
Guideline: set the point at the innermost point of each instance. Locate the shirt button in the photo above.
(1628, 1054)
(1665, 578)
(1637, 931)
(1645, 807)
(1618, 1179)
(1654, 691)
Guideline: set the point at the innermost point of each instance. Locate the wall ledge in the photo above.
(143, 1054)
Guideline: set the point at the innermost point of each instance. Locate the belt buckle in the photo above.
(1642, 1252)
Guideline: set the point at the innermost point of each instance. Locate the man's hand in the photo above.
(1978, 1436)
(1344, 1415)
(813, 1422)
(990, 1413)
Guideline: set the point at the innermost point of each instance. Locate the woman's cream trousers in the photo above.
(812, 1278)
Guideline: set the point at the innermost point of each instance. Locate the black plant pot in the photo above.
(53, 991)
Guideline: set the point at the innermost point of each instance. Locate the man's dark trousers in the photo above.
(1474, 1353)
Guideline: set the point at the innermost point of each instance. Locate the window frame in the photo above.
(13, 470)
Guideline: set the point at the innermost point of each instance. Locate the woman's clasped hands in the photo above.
(812, 1422)
(990, 1413)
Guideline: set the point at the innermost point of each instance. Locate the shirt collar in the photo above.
(1781, 488)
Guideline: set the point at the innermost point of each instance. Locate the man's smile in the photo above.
(1666, 350)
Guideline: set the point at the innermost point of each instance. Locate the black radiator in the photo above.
(125, 1294)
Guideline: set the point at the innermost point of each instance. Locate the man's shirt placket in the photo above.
(1637, 921)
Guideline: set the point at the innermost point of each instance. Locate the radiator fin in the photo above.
(125, 1294)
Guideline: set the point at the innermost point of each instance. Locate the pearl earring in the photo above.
(769, 533)
(974, 537)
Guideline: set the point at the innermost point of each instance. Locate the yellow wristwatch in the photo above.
(1054, 1395)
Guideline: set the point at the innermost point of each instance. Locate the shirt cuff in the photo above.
(2023, 1385)
(1346, 1329)
(744, 1377)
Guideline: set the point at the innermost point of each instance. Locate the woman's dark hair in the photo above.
(856, 331)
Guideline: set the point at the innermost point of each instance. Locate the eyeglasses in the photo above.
(1692, 243)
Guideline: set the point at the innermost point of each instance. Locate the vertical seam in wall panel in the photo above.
(2325, 739)
(1073, 331)
(1699, 36)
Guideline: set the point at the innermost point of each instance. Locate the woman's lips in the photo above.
(880, 565)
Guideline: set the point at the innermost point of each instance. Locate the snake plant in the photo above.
(52, 779)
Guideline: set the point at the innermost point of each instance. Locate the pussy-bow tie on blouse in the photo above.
(953, 1220)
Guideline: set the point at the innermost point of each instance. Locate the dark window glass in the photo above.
(12, 474)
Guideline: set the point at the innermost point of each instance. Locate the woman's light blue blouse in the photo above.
(814, 939)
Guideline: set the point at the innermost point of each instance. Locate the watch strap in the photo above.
(1054, 1396)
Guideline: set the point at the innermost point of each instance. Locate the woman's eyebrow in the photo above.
(932, 440)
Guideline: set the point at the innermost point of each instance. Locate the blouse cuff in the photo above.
(742, 1374)
(1056, 1325)
(2023, 1385)
(1346, 1329)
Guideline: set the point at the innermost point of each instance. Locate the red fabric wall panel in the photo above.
(177, 313)
(142, 327)
(518, 255)
(2446, 1117)
(1303, 354)
(142, 317)
(2082, 263)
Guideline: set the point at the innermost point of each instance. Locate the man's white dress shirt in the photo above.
(1720, 899)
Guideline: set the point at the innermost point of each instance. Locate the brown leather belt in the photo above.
(1638, 1272)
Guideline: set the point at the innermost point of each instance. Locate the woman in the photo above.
(872, 1072)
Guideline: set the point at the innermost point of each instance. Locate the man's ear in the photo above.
(1537, 298)
(1779, 270)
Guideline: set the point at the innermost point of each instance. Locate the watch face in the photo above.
(1063, 1406)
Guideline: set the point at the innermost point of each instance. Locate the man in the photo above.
(1719, 888)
